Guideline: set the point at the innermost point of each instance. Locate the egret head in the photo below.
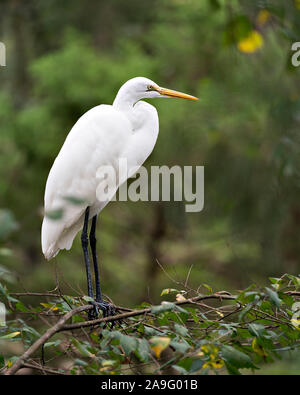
(139, 88)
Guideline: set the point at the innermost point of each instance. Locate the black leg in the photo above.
(93, 242)
(107, 308)
(85, 247)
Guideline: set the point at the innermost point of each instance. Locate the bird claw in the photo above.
(107, 310)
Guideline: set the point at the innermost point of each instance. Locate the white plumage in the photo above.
(128, 129)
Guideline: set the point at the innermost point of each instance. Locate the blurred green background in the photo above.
(66, 57)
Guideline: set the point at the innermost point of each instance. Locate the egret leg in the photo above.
(85, 247)
(93, 242)
(107, 308)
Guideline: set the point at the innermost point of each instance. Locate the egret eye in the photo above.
(150, 88)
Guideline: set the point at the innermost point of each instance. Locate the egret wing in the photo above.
(96, 140)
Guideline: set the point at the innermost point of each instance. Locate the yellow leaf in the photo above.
(210, 349)
(258, 348)
(166, 291)
(218, 364)
(296, 322)
(180, 298)
(158, 344)
(10, 335)
(9, 364)
(104, 369)
(205, 349)
(263, 17)
(107, 363)
(208, 287)
(49, 306)
(251, 43)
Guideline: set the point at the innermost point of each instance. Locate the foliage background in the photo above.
(66, 57)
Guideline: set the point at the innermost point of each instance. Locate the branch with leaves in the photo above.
(191, 334)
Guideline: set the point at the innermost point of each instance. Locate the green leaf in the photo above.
(208, 287)
(274, 280)
(50, 344)
(164, 306)
(181, 310)
(143, 350)
(88, 298)
(245, 311)
(77, 318)
(21, 307)
(196, 365)
(166, 291)
(266, 306)
(232, 369)
(30, 330)
(10, 335)
(187, 363)
(257, 330)
(82, 348)
(80, 362)
(151, 331)
(183, 331)
(128, 343)
(181, 347)
(237, 358)
(273, 297)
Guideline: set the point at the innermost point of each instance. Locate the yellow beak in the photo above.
(171, 93)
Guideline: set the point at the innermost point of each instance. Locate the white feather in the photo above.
(103, 135)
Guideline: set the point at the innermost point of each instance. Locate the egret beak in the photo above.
(170, 93)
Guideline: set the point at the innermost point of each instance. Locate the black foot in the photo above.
(107, 309)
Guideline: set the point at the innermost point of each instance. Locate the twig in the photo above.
(41, 368)
(49, 333)
(46, 294)
(135, 313)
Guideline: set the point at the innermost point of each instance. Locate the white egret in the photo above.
(126, 129)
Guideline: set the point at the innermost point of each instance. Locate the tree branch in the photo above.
(135, 313)
(62, 325)
(47, 335)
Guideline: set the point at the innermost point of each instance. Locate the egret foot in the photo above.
(107, 309)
